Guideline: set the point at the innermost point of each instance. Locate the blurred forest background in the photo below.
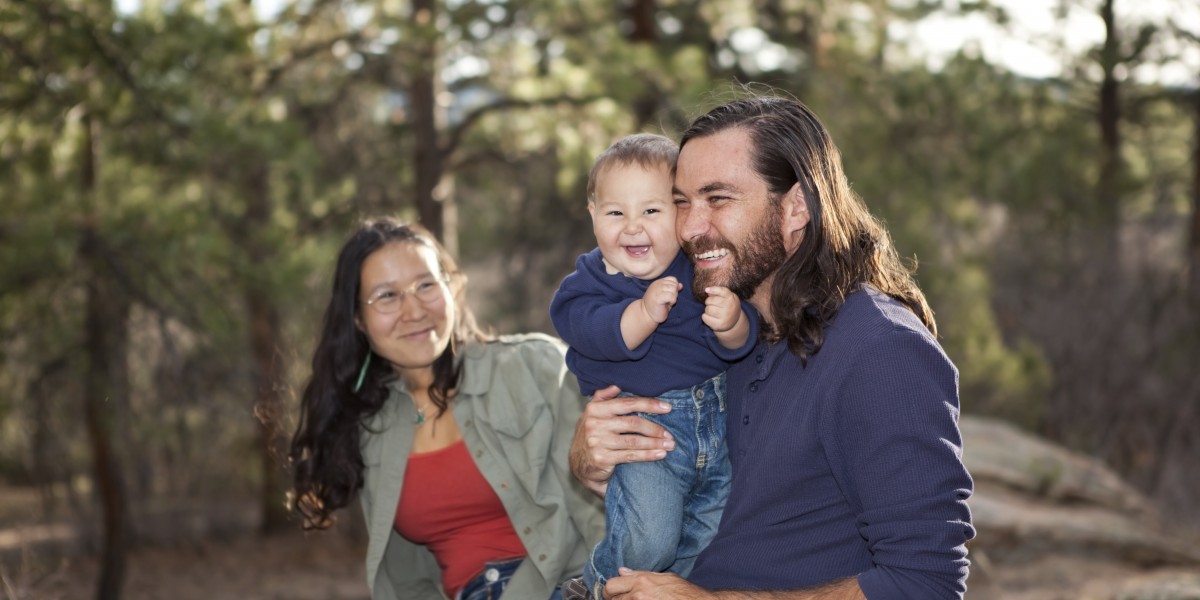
(177, 175)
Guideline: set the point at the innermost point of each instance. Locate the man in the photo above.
(848, 480)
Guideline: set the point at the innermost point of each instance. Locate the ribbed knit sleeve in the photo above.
(894, 447)
(587, 315)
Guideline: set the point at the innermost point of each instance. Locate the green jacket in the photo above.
(516, 407)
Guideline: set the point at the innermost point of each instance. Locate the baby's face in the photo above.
(634, 220)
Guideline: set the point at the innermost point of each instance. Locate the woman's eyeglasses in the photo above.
(388, 300)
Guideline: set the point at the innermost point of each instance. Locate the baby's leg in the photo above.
(644, 503)
(706, 501)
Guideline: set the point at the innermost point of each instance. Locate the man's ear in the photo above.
(795, 216)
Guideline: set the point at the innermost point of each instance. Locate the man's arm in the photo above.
(643, 585)
(608, 434)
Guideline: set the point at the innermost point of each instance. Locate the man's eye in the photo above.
(681, 201)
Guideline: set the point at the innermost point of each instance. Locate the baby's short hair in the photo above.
(647, 150)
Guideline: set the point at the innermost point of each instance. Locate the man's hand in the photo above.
(603, 440)
(644, 585)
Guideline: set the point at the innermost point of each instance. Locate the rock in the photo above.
(1014, 528)
(1044, 514)
(997, 451)
(1161, 586)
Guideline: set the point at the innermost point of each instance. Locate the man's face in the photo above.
(726, 220)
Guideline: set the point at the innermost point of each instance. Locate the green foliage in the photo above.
(232, 154)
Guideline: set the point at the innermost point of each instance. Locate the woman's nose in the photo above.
(411, 307)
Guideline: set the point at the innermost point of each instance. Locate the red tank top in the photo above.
(449, 507)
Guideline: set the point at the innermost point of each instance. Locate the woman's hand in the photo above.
(603, 437)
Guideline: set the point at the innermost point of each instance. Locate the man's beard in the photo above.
(757, 259)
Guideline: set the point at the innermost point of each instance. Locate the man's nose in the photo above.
(691, 223)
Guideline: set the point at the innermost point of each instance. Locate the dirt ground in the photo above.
(292, 566)
(325, 566)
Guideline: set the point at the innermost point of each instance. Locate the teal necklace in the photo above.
(419, 418)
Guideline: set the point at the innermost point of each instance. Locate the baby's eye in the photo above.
(614, 213)
(651, 211)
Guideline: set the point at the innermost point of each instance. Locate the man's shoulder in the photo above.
(869, 312)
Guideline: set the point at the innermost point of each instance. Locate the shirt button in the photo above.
(541, 557)
(467, 423)
(758, 359)
(479, 454)
(504, 486)
(528, 530)
(754, 387)
(745, 419)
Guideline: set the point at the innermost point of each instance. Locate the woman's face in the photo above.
(406, 308)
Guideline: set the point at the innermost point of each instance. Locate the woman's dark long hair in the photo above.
(325, 454)
(844, 246)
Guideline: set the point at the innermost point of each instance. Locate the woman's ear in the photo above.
(795, 216)
(458, 284)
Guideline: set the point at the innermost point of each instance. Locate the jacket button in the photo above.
(754, 387)
(758, 359)
(745, 419)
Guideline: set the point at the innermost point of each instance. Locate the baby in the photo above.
(627, 324)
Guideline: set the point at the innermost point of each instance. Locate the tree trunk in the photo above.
(264, 344)
(1109, 115)
(644, 31)
(1194, 239)
(105, 316)
(427, 152)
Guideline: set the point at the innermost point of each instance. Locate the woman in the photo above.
(455, 442)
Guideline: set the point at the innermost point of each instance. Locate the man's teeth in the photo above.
(712, 254)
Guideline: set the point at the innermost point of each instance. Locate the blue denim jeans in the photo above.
(490, 583)
(661, 514)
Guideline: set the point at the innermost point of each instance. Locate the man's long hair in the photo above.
(844, 246)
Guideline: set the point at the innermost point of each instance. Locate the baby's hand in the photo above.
(660, 297)
(722, 309)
